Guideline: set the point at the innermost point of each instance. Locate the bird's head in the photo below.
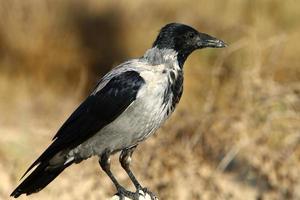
(184, 40)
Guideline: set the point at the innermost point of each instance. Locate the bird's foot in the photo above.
(145, 191)
(122, 193)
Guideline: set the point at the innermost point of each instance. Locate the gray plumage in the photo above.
(144, 115)
(127, 106)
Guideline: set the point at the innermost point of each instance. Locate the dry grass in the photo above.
(235, 134)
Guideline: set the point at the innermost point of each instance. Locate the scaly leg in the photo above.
(105, 165)
(125, 159)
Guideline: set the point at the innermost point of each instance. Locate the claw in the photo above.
(122, 193)
(145, 191)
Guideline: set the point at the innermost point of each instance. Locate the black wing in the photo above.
(94, 113)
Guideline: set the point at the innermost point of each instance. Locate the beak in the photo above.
(216, 43)
(205, 41)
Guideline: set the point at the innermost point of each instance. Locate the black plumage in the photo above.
(127, 106)
(95, 112)
(174, 90)
(184, 40)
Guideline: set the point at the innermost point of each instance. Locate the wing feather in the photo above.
(98, 110)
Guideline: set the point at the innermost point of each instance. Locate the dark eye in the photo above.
(191, 35)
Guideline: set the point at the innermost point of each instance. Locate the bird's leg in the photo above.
(125, 159)
(105, 165)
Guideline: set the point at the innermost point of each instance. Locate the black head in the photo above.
(184, 40)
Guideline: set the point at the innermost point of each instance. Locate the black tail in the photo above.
(38, 179)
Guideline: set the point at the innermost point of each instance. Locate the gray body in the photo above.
(128, 105)
(144, 115)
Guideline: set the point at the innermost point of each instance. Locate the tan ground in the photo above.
(235, 134)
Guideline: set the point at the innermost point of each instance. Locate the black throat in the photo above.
(182, 56)
(173, 91)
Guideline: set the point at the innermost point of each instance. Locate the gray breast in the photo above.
(155, 102)
(141, 119)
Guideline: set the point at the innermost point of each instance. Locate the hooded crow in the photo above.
(126, 107)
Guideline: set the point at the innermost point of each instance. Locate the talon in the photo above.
(140, 192)
(151, 194)
(122, 193)
(137, 195)
(144, 192)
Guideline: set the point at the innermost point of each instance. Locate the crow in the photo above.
(126, 107)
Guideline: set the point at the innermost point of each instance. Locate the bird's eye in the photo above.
(190, 35)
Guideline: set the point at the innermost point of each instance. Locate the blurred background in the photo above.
(235, 134)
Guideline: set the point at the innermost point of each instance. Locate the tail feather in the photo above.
(38, 179)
